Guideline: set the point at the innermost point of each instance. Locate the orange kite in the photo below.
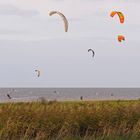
(120, 14)
(121, 38)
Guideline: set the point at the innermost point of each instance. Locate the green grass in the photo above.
(89, 120)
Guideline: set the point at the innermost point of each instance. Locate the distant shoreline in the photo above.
(68, 94)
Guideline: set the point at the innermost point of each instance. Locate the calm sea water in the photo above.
(30, 94)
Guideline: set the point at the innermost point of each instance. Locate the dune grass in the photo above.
(89, 120)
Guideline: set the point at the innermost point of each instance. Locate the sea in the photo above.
(67, 94)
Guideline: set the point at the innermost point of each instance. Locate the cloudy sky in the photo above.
(30, 39)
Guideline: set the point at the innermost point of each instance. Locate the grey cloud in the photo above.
(12, 10)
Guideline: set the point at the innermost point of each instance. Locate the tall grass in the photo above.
(106, 120)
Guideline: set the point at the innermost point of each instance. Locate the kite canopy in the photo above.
(63, 17)
(93, 53)
(121, 38)
(120, 14)
(38, 73)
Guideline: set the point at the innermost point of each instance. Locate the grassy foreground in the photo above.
(105, 120)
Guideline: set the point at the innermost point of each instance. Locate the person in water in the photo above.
(81, 98)
(9, 96)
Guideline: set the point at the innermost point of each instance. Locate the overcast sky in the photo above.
(30, 39)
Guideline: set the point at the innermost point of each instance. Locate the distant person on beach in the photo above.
(81, 98)
(57, 92)
(112, 94)
(9, 96)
